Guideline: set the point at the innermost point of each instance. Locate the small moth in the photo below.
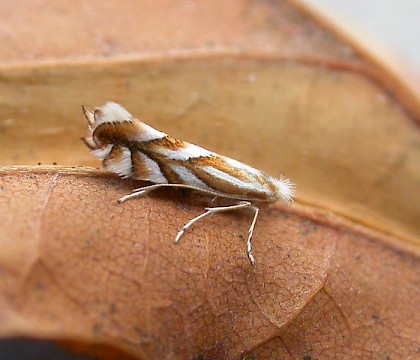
(132, 149)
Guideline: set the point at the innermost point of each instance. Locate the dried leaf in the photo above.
(337, 273)
(118, 278)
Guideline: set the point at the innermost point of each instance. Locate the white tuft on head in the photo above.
(286, 189)
(111, 112)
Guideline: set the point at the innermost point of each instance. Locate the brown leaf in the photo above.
(320, 287)
(262, 81)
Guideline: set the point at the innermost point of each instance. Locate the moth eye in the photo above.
(97, 114)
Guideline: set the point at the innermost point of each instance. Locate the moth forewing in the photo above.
(130, 148)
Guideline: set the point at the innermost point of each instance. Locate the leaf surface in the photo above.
(265, 82)
(76, 264)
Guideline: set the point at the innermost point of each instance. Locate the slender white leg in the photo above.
(146, 189)
(189, 223)
(250, 233)
(223, 209)
(210, 210)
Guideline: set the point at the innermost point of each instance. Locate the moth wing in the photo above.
(147, 169)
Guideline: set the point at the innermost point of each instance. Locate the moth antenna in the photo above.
(88, 116)
(89, 143)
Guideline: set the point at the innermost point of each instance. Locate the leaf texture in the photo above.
(77, 264)
(266, 82)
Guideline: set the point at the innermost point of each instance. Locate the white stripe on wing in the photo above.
(188, 178)
(189, 152)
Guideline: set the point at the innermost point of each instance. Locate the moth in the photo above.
(132, 149)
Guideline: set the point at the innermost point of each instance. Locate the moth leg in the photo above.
(214, 199)
(251, 233)
(146, 189)
(189, 223)
(212, 210)
(139, 192)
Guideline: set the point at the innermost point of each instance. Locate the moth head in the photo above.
(110, 113)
